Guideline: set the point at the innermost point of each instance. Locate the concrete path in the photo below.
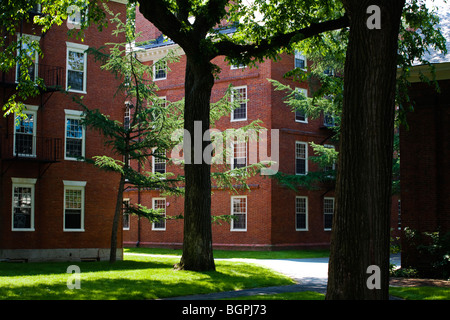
(309, 275)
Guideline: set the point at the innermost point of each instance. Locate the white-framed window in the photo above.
(77, 15)
(27, 49)
(239, 95)
(74, 205)
(301, 158)
(328, 211)
(329, 120)
(76, 67)
(300, 116)
(125, 215)
(301, 213)
(127, 117)
(160, 70)
(159, 203)
(25, 132)
(328, 71)
(238, 66)
(23, 204)
(75, 135)
(299, 60)
(333, 165)
(238, 155)
(159, 163)
(239, 211)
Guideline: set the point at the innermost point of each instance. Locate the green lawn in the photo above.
(421, 293)
(303, 295)
(222, 254)
(137, 277)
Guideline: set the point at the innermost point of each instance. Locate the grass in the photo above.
(137, 277)
(421, 293)
(224, 254)
(303, 295)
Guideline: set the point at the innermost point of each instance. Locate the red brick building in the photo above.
(53, 206)
(271, 215)
(425, 165)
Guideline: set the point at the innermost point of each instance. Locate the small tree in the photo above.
(146, 134)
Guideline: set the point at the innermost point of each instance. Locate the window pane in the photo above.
(160, 164)
(239, 155)
(240, 212)
(73, 206)
(75, 80)
(160, 70)
(300, 211)
(75, 70)
(328, 210)
(74, 138)
(240, 96)
(300, 158)
(72, 219)
(76, 61)
(160, 204)
(22, 207)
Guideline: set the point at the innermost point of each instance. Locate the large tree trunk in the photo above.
(360, 236)
(197, 243)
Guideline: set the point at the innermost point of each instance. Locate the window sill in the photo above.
(236, 120)
(76, 91)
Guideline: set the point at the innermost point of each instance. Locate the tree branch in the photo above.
(237, 51)
(157, 12)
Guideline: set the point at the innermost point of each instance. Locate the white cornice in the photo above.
(154, 54)
(442, 72)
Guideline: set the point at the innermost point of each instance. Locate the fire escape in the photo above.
(20, 142)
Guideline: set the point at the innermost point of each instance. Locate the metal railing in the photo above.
(51, 75)
(29, 147)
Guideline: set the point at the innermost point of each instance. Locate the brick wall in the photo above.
(49, 188)
(425, 174)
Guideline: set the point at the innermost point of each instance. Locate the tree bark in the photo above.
(117, 215)
(197, 242)
(360, 233)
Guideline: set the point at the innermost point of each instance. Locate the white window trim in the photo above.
(233, 145)
(29, 109)
(246, 214)
(153, 164)
(81, 48)
(165, 213)
(299, 54)
(126, 228)
(74, 19)
(74, 185)
(306, 158)
(232, 119)
(334, 207)
(154, 72)
(330, 146)
(36, 58)
(306, 214)
(27, 183)
(236, 67)
(74, 114)
(305, 92)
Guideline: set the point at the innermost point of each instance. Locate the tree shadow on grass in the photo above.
(8, 269)
(139, 280)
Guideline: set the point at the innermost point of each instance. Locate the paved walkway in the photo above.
(309, 275)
